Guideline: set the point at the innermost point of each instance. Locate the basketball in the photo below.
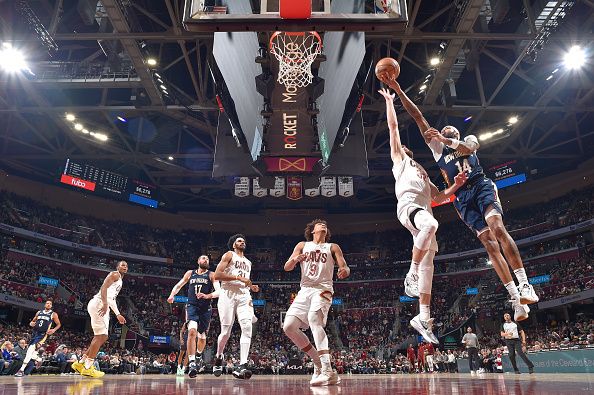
(387, 66)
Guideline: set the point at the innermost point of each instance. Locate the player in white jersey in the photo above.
(98, 308)
(317, 258)
(233, 271)
(414, 191)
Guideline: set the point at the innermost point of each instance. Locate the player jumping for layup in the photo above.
(201, 290)
(311, 306)
(98, 309)
(234, 273)
(477, 202)
(42, 328)
(414, 191)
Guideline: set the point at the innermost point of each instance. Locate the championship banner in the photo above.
(328, 186)
(242, 186)
(294, 191)
(345, 186)
(290, 164)
(279, 187)
(312, 192)
(259, 192)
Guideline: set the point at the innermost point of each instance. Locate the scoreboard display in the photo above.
(507, 174)
(109, 184)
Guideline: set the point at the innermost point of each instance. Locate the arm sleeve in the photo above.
(113, 305)
(436, 148)
(217, 291)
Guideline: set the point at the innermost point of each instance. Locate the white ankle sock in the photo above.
(424, 312)
(414, 268)
(521, 275)
(512, 289)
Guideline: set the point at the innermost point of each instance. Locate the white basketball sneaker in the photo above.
(326, 377)
(425, 329)
(520, 310)
(411, 285)
(527, 294)
(316, 373)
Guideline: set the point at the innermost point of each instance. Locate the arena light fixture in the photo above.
(170, 157)
(11, 59)
(78, 126)
(485, 136)
(513, 120)
(121, 119)
(575, 58)
(151, 61)
(85, 131)
(423, 87)
(434, 61)
(468, 118)
(549, 77)
(70, 117)
(163, 87)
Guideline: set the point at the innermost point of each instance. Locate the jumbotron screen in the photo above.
(106, 183)
(507, 174)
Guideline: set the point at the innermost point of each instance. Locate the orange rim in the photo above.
(277, 33)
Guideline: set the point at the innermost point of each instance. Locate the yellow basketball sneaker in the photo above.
(92, 372)
(78, 366)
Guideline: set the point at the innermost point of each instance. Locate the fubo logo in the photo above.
(77, 182)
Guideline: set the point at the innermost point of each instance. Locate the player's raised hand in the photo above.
(170, 299)
(121, 319)
(254, 288)
(460, 179)
(343, 272)
(386, 94)
(431, 133)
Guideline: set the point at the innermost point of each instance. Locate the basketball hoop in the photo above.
(295, 52)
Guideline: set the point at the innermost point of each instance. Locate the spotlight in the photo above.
(151, 61)
(485, 136)
(157, 75)
(575, 58)
(513, 120)
(122, 119)
(467, 118)
(434, 61)
(498, 131)
(70, 117)
(549, 77)
(170, 157)
(422, 88)
(163, 87)
(78, 126)
(11, 59)
(100, 136)
(85, 131)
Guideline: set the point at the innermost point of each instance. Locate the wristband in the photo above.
(454, 144)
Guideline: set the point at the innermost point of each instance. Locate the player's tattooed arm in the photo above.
(296, 257)
(343, 270)
(410, 107)
(179, 286)
(220, 274)
(56, 320)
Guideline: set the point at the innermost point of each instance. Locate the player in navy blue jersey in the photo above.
(202, 288)
(42, 328)
(477, 201)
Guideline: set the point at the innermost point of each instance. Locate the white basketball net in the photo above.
(295, 53)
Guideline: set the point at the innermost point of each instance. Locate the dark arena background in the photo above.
(151, 131)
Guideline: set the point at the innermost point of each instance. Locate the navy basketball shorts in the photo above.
(200, 315)
(472, 202)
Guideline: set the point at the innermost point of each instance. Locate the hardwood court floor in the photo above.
(418, 384)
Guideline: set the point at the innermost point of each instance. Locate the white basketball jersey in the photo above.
(239, 266)
(412, 185)
(112, 291)
(318, 268)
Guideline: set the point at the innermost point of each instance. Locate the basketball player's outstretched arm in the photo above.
(343, 270)
(396, 151)
(466, 147)
(296, 257)
(410, 107)
(220, 274)
(34, 320)
(179, 286)
(56, 320)
(440, 196)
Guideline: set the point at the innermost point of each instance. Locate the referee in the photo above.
(512, 333)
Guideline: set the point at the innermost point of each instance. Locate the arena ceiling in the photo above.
(500, 56)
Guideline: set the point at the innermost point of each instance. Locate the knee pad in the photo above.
(246, 328)
(192, 325)
(427, 226)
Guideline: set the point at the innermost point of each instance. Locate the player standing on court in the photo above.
(234, 273)
(477, 202)
(42, 328)
(202, 288)
(310, 308)
(98, 308)
(414, 192)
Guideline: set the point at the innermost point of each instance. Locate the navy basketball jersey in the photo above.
(452, 162)
(44, 320)
(199, 283)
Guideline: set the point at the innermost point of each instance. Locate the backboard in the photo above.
(264, 15)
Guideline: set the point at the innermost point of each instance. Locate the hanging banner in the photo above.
(345, 186)
(279, 187)
(312, 192)
(294, 191)
(328, 186)
(242, 186)
(259, 192)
